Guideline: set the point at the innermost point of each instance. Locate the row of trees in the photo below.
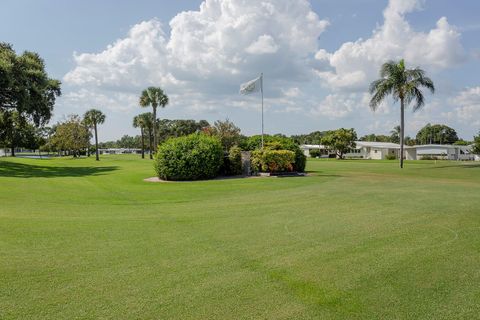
(73, 135)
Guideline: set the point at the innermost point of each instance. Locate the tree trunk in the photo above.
(402, 130)
(150, 143)
(96, 142)
(143, 144)
(12, 151)
(154, 128)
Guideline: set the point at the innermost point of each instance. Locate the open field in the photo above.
(355, 240)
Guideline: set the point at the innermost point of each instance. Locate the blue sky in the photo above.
(318, 58)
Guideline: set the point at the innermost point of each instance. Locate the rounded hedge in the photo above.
(191, 157)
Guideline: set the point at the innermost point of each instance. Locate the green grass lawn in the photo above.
(81, 239)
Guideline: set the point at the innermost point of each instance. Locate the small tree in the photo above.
(341, 140)
(71, 136)
(227, 132)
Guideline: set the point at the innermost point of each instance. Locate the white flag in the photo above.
(251, 86)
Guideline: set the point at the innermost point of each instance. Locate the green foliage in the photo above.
(437, 134)
(268, 160)
(277, 142)
(233, 162)
(315, 153)
(462, 142)
(310, 138)
(25, 86)
(191, 157)
(428, 157)
(390, 157)
(476, 144)
(227, 132)
(17, 131)
(178, 128)
(341, 140)
(71, 135)
(376, 138)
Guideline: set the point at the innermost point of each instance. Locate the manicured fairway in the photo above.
(81, 239)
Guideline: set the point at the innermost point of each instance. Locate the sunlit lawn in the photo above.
(81, 239)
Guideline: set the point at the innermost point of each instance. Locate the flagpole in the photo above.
(261, 89)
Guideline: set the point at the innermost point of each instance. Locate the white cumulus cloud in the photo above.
(355, 64)
(467, 106)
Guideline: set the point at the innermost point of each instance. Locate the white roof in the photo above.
(380, 145)
(360, 144)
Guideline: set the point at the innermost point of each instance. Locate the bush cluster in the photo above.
(391, 157)
(268, 160)
(277, 143)
(233, 162)
(192, 157)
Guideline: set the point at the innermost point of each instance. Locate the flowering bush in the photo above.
(273, 160)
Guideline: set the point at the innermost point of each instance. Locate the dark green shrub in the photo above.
(191, 157)
(391, 157)
(273, 160)
(233, 162)
(315, 153)
(429, 157)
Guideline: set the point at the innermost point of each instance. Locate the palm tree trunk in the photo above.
(143, 143)
(96, 142)
(154, 128)
(150, 142)
(402, 130)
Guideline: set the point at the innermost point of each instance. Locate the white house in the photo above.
(380, 150)
(363, 150)
(439, 151)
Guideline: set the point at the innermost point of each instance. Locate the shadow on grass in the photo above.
(322, 174)
(465, 166)
(20, 170)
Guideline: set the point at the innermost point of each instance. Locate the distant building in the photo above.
(119, 151)
(380, 150)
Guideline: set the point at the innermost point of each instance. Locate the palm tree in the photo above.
(395, 134)
(94, 117)
(139, 122)
(153, 96)
(404, 85)
(145, 119)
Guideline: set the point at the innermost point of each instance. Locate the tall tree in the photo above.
(146, 120)
(437, 134)
(93, 118)
(154, 97)
(26, 91)
(139, 123)
(404, 85)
